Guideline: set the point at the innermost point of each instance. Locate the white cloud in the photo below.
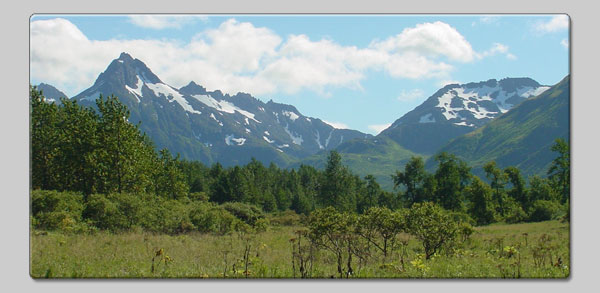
(164, 21)
(433, 39)
(414, 94)
(565, 43)
(338, 125)
(237, 56)
(377, 128)
(555, 24)
(497, 48)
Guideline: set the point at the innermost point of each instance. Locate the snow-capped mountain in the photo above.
(212, 126)
(457, 109)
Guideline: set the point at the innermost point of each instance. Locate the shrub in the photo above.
(56, 210)
(246, 212)
(207, 217)
(515, 214)
(544, 210)
(431, 225)
(104, 213)
(462, 217)
(380, 226)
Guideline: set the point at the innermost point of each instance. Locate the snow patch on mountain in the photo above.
(268, 140)
(318, 140)
(527, 92)
(223, 106)
(230, 139)
(295, 139)
(463, 123)
(445, 102)
(172, 95)
(215, 118)
(137, 91)
(470, 99)
(293, 116)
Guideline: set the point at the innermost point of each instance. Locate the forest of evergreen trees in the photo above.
(91, 166)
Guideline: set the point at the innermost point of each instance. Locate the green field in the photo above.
(531, 250)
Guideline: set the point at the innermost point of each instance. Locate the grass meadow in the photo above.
(529, 250)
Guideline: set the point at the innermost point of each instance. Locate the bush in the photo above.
(431, 225)
(515, 214)
(53, 210)
(207, 217)
(248, 213)
(461, 217)
(104, 213)
(544, 210)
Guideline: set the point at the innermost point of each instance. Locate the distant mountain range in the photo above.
(210, 126)
(512, 121)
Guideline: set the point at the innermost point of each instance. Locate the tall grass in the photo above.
(532, 250)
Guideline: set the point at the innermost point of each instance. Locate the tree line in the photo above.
(97, 151)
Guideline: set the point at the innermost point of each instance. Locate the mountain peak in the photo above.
(125, 57)
(193, 89)
(126, 71)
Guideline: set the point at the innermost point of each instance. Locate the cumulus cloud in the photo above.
(338, 125)
(497, 48)
(240, 57)
(414, 94)
(433, 39)
(160, 22)
(555, 24)
(377, 128)
(565, 43)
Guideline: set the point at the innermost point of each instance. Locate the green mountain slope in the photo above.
(379, 156)
(522, 137)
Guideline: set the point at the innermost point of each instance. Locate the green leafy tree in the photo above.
(541, 189)
(431, 225)
(413, 178)
(498, 180)
(372, 193)
(170, 181)
(481, 203)
(518, 191)
(78, 141)
(337, 187)
(451, 176)
(380, 226)
(559, 171)
(334, 231)
(44, 141)
(125, 160)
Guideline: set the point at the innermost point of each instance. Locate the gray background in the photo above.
(14, 119)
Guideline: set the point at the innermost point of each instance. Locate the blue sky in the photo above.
(354, 71)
